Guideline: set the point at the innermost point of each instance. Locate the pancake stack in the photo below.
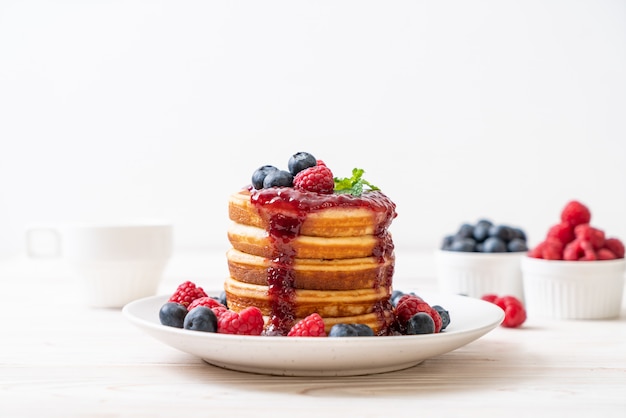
(296, 252)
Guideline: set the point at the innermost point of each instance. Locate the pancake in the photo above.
(256, 241)
(366, 306)
(314, 274)
(332, 216)
(296, 252)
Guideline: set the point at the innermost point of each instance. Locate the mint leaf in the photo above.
(353, 185)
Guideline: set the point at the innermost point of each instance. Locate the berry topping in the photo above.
(420, 323)
(514, 311)
(247, 322)
(186, 293)
(172, 314)
(351, 330)
(201, 318)
(311, 326)
(300, 161)
(258, 177)
(315, 179)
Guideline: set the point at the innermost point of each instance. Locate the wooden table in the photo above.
(61, 359)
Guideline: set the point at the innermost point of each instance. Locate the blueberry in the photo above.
(494, 245)
(505, 233)
(222, 298)
(395, 297)
(481, 230)
(519, 233)
(444, 314)
(278, 178)
(351, 330)
(299, 161)
(173, 314)
(463, 245)
(259, 175)
(447, 241)
(201, 318)
(420, 323)
(517, 245)
(465, 231)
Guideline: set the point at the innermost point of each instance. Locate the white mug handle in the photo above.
(43, 242)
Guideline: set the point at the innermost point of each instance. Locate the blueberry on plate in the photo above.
(172, 314)
(201, 318)
(444, 314)
(351, 330)
(420, 323)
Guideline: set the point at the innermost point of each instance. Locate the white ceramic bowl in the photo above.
(478, 274)
(573, 289)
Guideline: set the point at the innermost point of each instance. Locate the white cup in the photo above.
(114, 263)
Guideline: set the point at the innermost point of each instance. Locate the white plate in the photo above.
(348, 356)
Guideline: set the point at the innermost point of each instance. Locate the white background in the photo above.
(456, 109)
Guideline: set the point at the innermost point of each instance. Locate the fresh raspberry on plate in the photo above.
(575, 213)
(311, 326)
(410, 305)
(207, 301)
(318, 179)
(514, 311)
(186, 293)
(247, 322)
(616, 246)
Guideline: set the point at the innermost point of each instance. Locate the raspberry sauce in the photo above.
(285, 210)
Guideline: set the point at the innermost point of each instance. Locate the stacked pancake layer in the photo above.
(296, 252)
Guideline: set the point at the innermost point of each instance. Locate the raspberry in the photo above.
(311, 326)
(409, 305)
(219, 310)
(490, 297)
(207, 301)
(537, 251)
(575, 213)
(247, 322)
(553, 249)
(586, 232)
(564, 232)
(549, 249)
(606, 254)
(579, 250)
(514, 311)
(318, 179)
(616, 246)
(186, 293)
